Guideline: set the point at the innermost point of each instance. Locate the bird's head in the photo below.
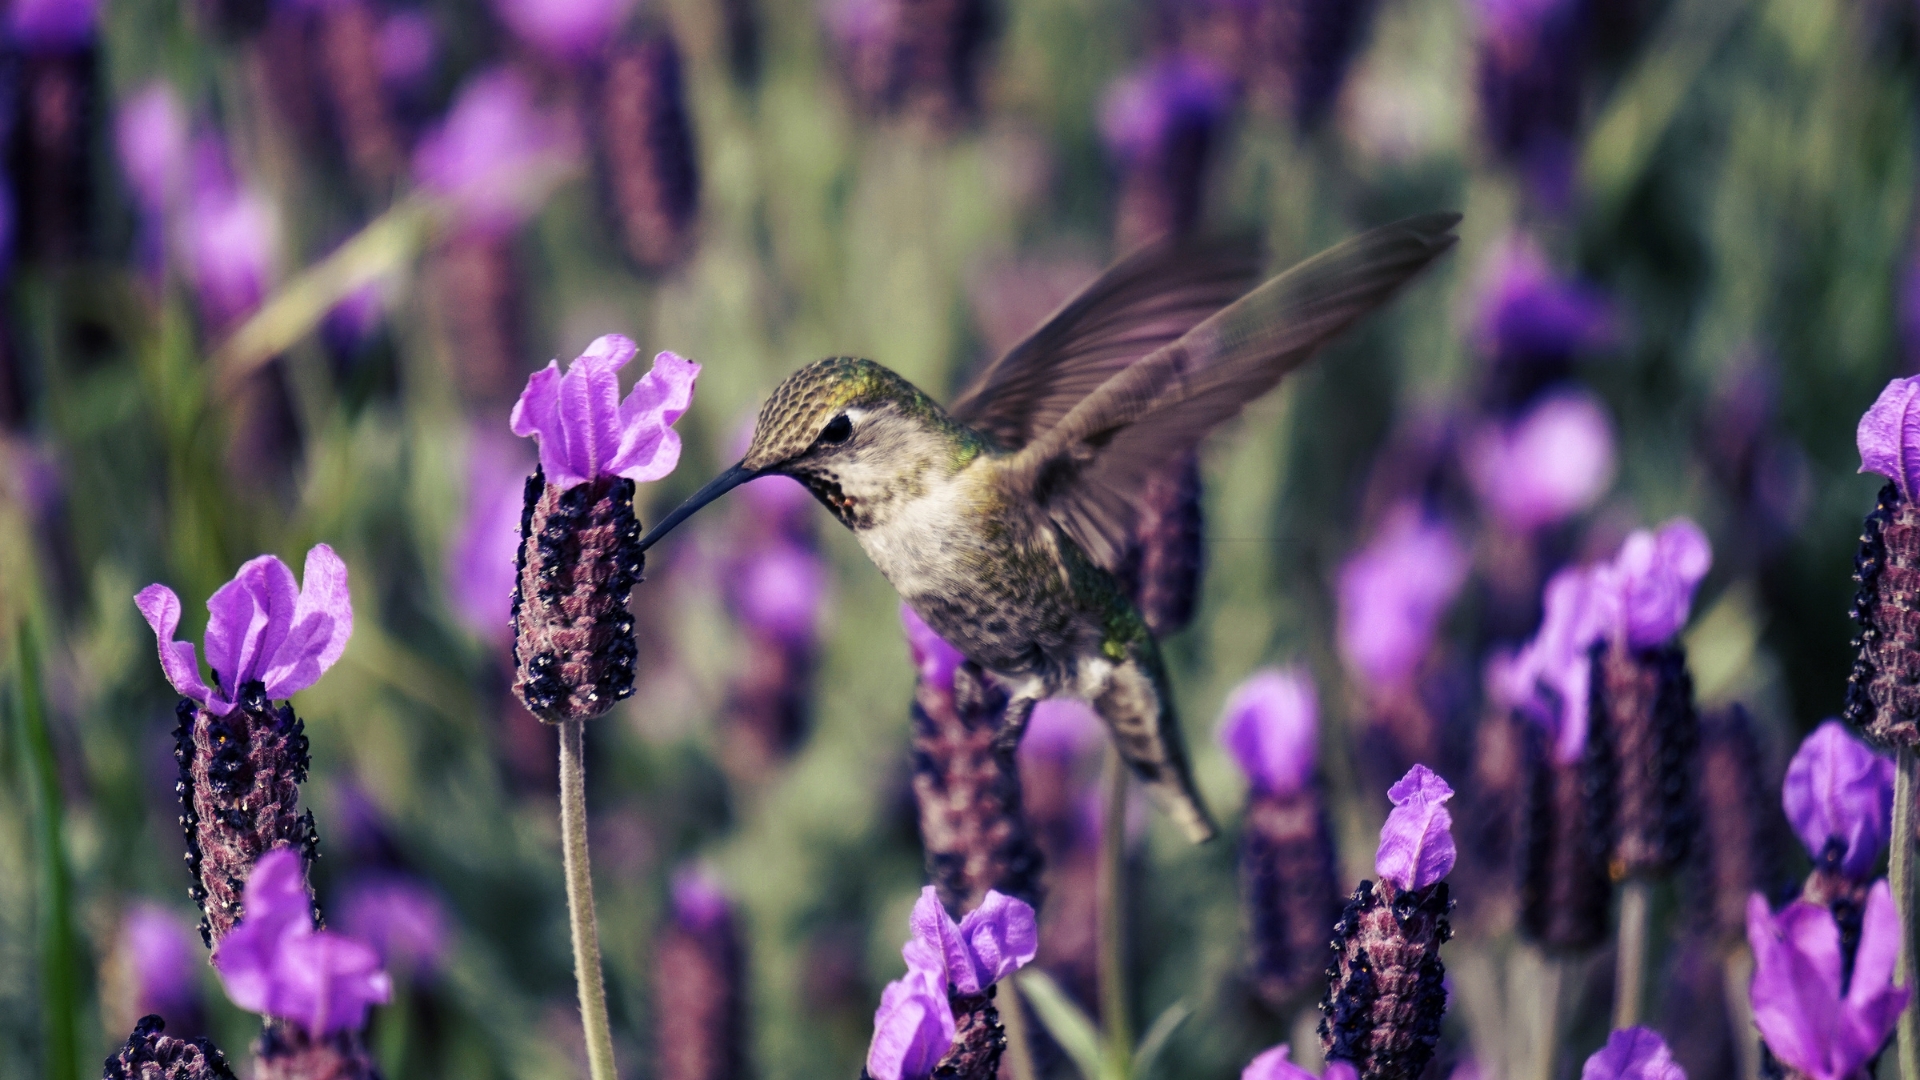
(852, 431)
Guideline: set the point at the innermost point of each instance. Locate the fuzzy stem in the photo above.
(1630, 974)
(586, 931)
(1013, 1017)
(1113, 910)
(1900, 870)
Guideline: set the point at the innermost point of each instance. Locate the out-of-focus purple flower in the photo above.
(47, 25)
(566, 30)
(1416, 843)
(1271, 729)
(480, 572)
(1176, 96)
(931, 654)
(262, 627)
(1634, 1053)
(497, 154)
(1062, 729)
(403, 918)
(778, 590)
(229, 236)
(699, 900)
(585, 431)
(350, 324)
(1393, 593)
(1548, 465)
(151, 136)
(912, 1029)
(995, 940)
(1549, 680)
(1838, 795)
(1889, 436)
(275, 963)
(1529, 86)
(1274, 1064)
(1651, 581)
(407, 46)
(162, 956)
(1527, 312)
(1812, 1023)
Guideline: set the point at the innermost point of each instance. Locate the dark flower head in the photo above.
(275, 963)
(1416, 844)
(496, 155)
(1271, 729)
(1838, 796)
(1634, 1053)
(1147, 111)
(1273, 1064)
(163, 960)
(1393, 593)
(585, 431)
(262, 627)
(1889, 436)
(565, 30)
(1814, 1024)
(402, 917)
(1527, 313)
(152, 1054)
(1552, 462)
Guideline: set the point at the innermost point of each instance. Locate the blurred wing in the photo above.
(1088, 470)
(1141, 303)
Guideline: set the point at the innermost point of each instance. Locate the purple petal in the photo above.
(1062, 729)
(649, 447)
(1416, 844)
(1393, 594)
(1271, 729)
(779, 589)
(1889, 435)
(1145, 111)
(162, 611)
(1549, 680)
(1838, 791)
(912, 1029)
(496, 154)
(1652, 580)
(249, 618)
(1635, 1053)
(931, 654)
(1342, 1070)
(1528, 313)
(321, 624)
(537, 416)
(1272, 1064)
(326, 982)
(162, 953)
(590, 412)
(1796, 983)
(1552, 463)
(275, 906)
(937, 937)
(699, 900)
(480, 570)
(1873, 1003)
(1001, 936)
(231, 240)
(52, 24)
(403, 919)
(151, 135)
(566, 30)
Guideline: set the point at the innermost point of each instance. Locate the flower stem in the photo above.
(1630, 974)
(1738, 971)
(1113, 911)
(586, 930)
(1013, 1017)
(1900, 870)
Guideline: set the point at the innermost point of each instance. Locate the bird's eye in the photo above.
(838, 430)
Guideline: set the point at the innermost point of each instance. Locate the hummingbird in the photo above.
(1001, 519)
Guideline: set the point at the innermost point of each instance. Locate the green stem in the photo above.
(1013, 1016)
(1113, 912)
(1737, 969)
(1630, 948)
(586, 931)
(59, 978)
(1900, 871)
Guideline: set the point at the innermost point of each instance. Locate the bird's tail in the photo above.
(1139, 712)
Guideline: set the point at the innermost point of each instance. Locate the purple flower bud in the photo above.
(912, 1029)
(1652, 581)
(1271, 729)
(1889, 435)
(151, 1054)
(585, 431)
(403, 918)
(699, 901)
(931, 654)
(1643, 700)
(1273, 1064)
(1553, 462)
(480, 569)
(1814, 1023)
(151, 134)
(995, 940)
(275, 963)
(161, 956)
(1416, 844)
(496, 154)
(1528, 313)
(1550, 680)
(1635, 1053)
(262, 627)
(229, 237)
(1838, 796)
(1393, 593)
(565, 30)
(52, 25)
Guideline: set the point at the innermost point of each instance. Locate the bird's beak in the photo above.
(717, 487)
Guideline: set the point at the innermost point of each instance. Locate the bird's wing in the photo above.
(1138, 305)
(1088, 470)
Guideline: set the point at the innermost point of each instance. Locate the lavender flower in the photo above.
(1385, 990)
(1738, 828)
(1166, 556)
(1393, 593)
(1820, 1023)
(775, 586)
(1530, 315)
(496, 155)
(1550, 680)
(1839, 798)
(229, 235)
(901, 57)
(643, 140)
(151, 1054)
(1881, 695)
(480, 568)
(912, 1029)
(1529, 85)
(936, 659)
(994, 940)
(941, 1014)
(275, 963)
(778, 591)
(1889, 436)
(151, 135)
(570, 31)
(1651, 581)
(1273, 1064)
(1159, 124)
(158, 950)
(1635, 1053)
(699, 984)
(579, 557)
(1271, 729)
(52, 25)
(1553, 462)
(400, 916)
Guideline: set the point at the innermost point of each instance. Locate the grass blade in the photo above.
(1072, 1028)
(59, 972)
(1155, 1040)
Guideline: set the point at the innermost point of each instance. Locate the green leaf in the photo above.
(1155, 1040)
(59, 970)
(1072, 1028)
